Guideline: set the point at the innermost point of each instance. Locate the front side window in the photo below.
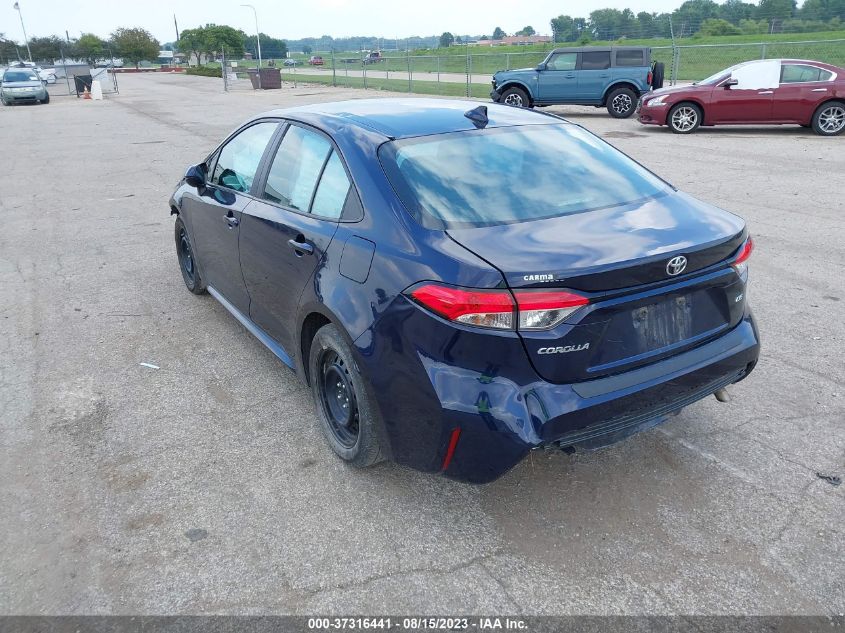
(797, 73)
(239, 159)
(296, 168)
(514, 174)
(562, 61)
(595, 60)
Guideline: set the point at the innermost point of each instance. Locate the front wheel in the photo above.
(829, 119)
(46, 98)
(343, 406)
(516, 97)
(684, 118)
(187, 261)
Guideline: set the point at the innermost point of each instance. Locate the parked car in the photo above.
(461, 284)
(46, 74)
(373, 57)
(771, 91)
(22, 85)
(315, 60)
(612, 77)
(292, 62)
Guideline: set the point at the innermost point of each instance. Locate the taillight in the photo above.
(649, 78)
(544, 309)
(534, 309)
(484, 308)
(744, 253)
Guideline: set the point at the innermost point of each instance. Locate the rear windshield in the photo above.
(513, 174)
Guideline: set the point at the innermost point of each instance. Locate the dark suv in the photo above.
(613, 77)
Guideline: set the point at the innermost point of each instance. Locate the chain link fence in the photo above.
(470, 75)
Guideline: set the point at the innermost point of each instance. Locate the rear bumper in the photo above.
(451, 379)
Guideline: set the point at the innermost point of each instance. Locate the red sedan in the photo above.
(769, 91)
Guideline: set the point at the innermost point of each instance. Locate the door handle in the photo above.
(819, 90)
(765, 92)
(570, 76)
(301, 246)
(231, 220)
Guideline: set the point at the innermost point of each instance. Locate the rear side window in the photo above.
(296, 168)
(797, 73)
(238, 160)
(332, 190)
(562, 61)
(630, 58)
(595, 60)
(513, 174)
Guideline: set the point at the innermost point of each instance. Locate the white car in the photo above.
(46, 74)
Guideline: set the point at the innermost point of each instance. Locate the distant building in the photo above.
(517, 40)
(165, 57)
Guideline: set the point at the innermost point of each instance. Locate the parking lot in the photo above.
(205, 486)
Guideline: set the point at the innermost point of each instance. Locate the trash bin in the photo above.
(271, 78)
(253, 77)
(81, 82)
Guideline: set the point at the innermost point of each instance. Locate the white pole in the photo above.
(257, 41)
(23, 28)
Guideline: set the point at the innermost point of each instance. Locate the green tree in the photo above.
(498, 33)
(90, 48)
(447, 39)
(46, 48)
(563, 29)
(735, 10)
(8, 50)
(191, 43)
(307, 50)
(526, 30)
(271, 47)
(718, 26)
(135, 45)
(217, 38)
(776, 9)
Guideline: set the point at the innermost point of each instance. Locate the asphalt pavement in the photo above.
(205, 486)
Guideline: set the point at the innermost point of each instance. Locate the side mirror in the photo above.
(730, 82)
(195, 176)
(541, 66)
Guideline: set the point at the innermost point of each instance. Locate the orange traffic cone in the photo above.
(86, 95)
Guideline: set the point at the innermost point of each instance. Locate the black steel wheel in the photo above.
(341, 395)
(187, 260)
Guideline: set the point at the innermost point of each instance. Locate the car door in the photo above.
(285, 235)
(746, 96)
(802, 87)
(558, 81)
(593, 74)
(216, 214)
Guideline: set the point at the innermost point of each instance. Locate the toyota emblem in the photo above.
(676, 265)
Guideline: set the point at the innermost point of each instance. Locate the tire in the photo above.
(46, 99)
(684, 118)
(341, 398)
(829, 118)
(516, 97)
(187, 261)
(658, 70)
(621, 103)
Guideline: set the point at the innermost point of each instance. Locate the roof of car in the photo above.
(406, 117)
(597, 49)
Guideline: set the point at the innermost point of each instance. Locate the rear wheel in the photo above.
(829, 119)
(515, 97)
(657, 72)
(187, 261)
(621, 103)
(343, 406)
(684, 118)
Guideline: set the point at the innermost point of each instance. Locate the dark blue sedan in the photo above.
(461, 284)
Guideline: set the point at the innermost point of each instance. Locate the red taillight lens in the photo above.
(484, 308)
(536, 309)
(544, 309)
(744, 252)
(649, 78)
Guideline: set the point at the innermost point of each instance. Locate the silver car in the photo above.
(22, 85)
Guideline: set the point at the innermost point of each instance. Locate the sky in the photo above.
(302, 18)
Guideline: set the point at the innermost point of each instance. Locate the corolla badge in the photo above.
(563, 350)
(676, 265)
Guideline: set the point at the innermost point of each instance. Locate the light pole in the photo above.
(257, 41)
(25, 39)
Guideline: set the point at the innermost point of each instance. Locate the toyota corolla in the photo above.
(462, 284)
